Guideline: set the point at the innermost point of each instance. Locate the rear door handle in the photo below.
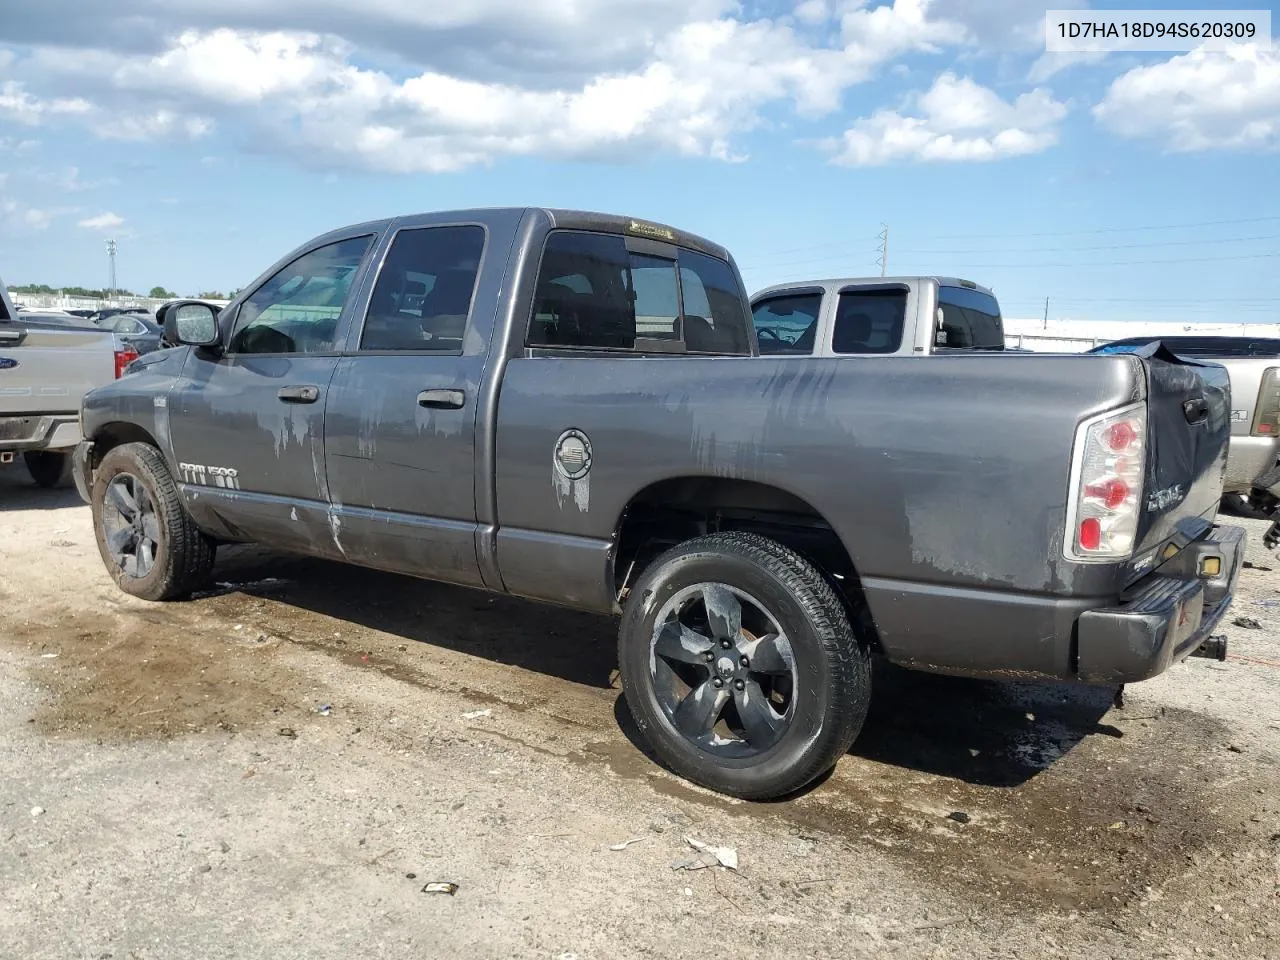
(304, 394)
(442, 399)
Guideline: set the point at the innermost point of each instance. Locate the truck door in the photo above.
(247, 426)
(400, 427)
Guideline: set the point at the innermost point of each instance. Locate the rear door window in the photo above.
(787, 325)
(968, 320)
(870, 321)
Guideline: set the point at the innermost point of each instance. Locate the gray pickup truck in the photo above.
(876, 316)
(47, 364)
(570, 407)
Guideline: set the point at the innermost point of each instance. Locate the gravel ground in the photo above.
(171, 786)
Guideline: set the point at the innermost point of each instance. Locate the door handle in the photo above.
(306, 394)
(1196, 411)
(442, 399)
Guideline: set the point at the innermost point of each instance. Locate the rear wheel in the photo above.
(149, 543)
(48, 468)
(740, 666)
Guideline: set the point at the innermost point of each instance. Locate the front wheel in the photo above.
(740, 666)
(150, 545)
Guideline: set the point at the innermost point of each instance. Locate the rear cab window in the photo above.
(967, 319)
(593, 292)
(787, 324)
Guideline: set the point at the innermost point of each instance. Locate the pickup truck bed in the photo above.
(571, 407)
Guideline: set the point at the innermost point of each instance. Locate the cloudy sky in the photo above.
(210, 136)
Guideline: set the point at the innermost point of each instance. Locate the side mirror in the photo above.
(191, 322)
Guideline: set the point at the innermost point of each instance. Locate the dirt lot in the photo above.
(171, 787)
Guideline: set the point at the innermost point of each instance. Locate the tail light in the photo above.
(1107, 468)
(124, 357)
(1266, 418)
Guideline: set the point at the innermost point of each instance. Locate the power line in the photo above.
(1019, 266)
(1118, 246)
(1083, 233)
(921, 253)
(1060, 233)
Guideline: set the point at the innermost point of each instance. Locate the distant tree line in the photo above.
(158, 293)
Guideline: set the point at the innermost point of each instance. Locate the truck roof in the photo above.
(569, 219)
(837, 282)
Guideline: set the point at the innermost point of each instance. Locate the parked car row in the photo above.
(588, 410)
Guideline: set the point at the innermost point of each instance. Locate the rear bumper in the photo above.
(47, 431)
(82, 469)
(963, 631)
(1166, 618)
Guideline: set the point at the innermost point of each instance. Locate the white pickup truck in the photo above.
(883, 316)
(46, 366)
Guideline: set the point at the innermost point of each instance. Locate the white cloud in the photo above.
(106, 221)
(68, 180)
(689, 86)
(20, 219)
(1200, 101)
(18, 105)
(958, 120)
(1049, 65)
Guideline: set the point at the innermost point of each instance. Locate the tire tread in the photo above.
(848, 658)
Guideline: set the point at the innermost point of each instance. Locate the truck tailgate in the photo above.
(1189, 418)
(48, 369)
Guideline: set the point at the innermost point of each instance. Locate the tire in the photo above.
(1237, 505)
(829, 687)
(183, 556)
(48, 468)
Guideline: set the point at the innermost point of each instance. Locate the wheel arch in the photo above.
(117, 433)
(676, 509)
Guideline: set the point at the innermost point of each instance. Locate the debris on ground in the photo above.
(324, 709)
(48, 656)
(959, 816)
(36, 811)
(476, 714)
(441, 887)
(1248, 623)
(1250, 565)
(626, 843)
(1235, 748)
(289, 732)
(709, 856)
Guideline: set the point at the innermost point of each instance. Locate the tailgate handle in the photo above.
(1196, 411)
(12, 336)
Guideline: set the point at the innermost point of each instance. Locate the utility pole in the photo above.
(884, 249)
(1046, 313)
(111, 259)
